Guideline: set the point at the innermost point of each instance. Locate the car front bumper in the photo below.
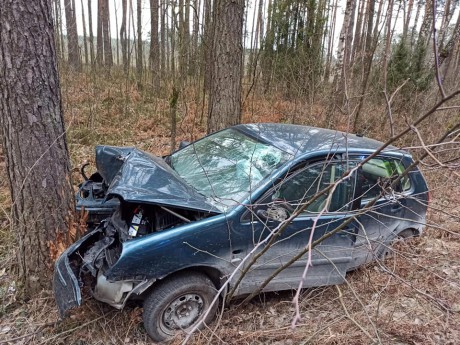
(66, 284)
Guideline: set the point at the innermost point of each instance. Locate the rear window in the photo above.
(377, 174)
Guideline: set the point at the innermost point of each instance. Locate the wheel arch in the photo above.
(214, 274)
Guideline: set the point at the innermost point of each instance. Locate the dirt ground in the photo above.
(411, 298)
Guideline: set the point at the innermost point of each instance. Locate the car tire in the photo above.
(177, 304)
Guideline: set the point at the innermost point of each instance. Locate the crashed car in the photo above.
(173, 231)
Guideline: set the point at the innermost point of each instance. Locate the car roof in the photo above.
(298, 140)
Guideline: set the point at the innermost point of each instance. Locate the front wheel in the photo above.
(178, 304)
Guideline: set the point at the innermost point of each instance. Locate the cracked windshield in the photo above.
(227, 166)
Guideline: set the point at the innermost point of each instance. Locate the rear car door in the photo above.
(387, 216)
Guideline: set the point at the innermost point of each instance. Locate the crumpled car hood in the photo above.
(137, 176)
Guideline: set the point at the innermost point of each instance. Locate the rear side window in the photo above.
(376, 175)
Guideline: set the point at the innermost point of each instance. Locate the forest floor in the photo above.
(411, 298)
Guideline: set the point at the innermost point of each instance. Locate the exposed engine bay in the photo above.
(97, 255)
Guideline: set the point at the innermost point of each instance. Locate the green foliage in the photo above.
(292, 50)
(406, 64)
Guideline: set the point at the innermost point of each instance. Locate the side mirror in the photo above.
(273, 213)
(183, 144)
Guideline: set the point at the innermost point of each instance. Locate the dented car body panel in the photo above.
(66, 284)
(162, 223)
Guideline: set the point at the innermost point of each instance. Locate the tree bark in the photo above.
(163, 56)
(116, 29)
(108, 56)
(91, 36)
(139, 60)
(34, 140)
(154, 45)
(100, 42)
(123, 38)
(57, 25)
(225, 92)
(407, 18)
(371, 44)
(207, 44)
(72, 37)
(195, 54)
(85, 43)
(186, 38)
(172, 35)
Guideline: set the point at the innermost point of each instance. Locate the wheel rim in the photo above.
(183, 312)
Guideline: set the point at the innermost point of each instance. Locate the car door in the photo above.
(330, 259)
(388, 214)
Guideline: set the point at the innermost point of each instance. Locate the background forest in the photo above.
(361, 66)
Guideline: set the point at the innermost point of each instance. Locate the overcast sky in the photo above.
(115, 17)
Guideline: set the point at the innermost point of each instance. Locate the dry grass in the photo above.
(412, 298)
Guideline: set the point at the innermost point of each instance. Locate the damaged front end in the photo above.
(140, 194)
(86, 265)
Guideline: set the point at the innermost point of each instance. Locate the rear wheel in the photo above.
(178, 304)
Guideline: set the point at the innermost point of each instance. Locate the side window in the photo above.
(301, 186)
(377, 174)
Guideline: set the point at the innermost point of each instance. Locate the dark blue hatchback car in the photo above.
(228, 211)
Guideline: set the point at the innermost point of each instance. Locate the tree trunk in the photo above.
(183, 63)
(207, 43)
(267, 46)
(100, 42)
(123, 38)
(371, 43)
(131, 21)
(37, 158)
(154, 45)
(72, 37)
(57, 25)
(195, 54)
(85, 43)
(116, 29)
(327, 71)
(172, 53)
(139, 60)
(163, 29)
(108, 57)
(449, 57)
(342, 49)
(225, 92)
(91, 36)
(449, 9)
(357, 39)
(406, 21)
(186, 40)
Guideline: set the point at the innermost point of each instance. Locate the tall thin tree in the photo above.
(123, 37)
(154, 45)
(108, 56)
(72, 36)
(91, 36)
(139, 60)
(83, 21)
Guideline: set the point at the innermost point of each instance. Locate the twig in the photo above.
(71, 330)
(12, 340)
(349, 316)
